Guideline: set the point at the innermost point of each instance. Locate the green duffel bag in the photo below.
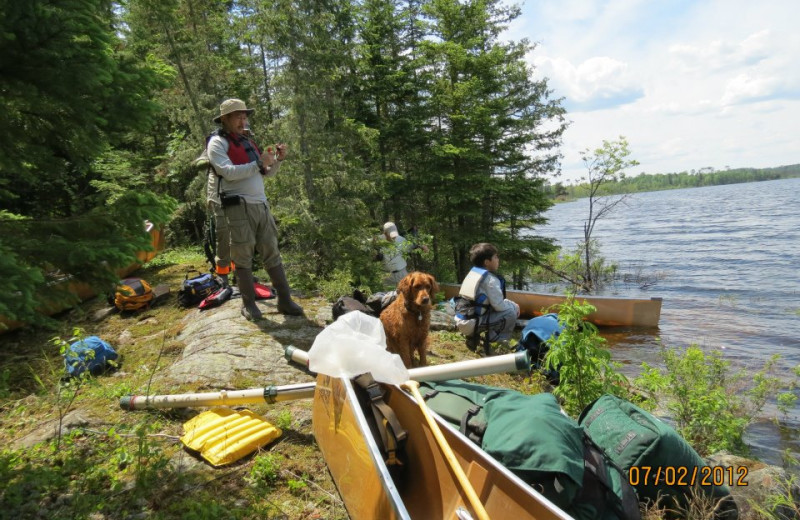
(659, 463)
(530, 436)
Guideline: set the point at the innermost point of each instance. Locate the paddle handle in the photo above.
(273, 394)
(447, 451)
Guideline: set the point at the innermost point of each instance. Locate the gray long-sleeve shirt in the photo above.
(244, 180)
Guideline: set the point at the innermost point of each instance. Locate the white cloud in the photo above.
(722, 54)
(747, 88)
(728, 72)
(567, 11)
(683, 108)
(690, 83)
(597, 83)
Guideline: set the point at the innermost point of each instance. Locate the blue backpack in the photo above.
(533, 339)
(195, 289)
(90, 354)
(536, 332)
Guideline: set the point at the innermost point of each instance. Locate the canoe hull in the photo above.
(84, 291)
(428, 489)
(611, 312)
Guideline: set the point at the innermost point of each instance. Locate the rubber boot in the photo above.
(224, 278)
(285, 304)
(245, 283)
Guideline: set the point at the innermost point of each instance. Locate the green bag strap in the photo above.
(596, 485)
(393, 435)
(473, 430)
(473, 411)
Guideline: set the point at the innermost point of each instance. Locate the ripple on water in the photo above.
(730, 276)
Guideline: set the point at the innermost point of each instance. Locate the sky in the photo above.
(689, 84)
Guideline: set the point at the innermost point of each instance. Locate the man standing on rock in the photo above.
(242, 167)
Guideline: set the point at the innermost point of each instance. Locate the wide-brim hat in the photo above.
(391, 229)
(232, 105)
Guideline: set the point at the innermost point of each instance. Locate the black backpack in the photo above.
(373, 305)
(347, 304)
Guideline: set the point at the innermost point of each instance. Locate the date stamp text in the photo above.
(691, 476)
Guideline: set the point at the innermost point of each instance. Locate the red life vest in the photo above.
(236, 150)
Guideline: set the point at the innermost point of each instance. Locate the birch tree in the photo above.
(604, 165)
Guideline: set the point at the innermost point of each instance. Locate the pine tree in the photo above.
(198, 45)
(488, 116)
(320, 195)
(69, 93)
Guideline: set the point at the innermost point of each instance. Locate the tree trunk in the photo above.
(587, 275)
(267, 96)
(184, 78)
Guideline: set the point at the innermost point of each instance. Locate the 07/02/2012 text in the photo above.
(704, 476)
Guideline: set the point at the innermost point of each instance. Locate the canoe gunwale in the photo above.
(375, 454)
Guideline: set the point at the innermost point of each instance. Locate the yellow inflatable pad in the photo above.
(222, 435)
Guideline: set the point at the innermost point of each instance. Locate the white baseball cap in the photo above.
(390, 228)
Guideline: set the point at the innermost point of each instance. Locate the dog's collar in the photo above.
(408, 308)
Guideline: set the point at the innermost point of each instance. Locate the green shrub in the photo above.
(191, 255)
(265, 471)
(297, 485)
(535, 383)
(284, 421)
(712, 405)
(784, 500)
(561, 265)
(585, 366)
(206, 510)
(66, 391)
(340, 283)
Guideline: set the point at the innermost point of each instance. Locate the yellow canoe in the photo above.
(428, 488)
(83, 290)
(611, 311)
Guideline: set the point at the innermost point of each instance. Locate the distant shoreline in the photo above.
(672, 181)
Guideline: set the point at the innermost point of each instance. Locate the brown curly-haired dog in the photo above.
(407, 319)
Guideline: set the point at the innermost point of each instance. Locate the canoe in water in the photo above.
(611, 311)
(427, 488)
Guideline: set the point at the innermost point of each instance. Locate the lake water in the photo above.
(726, 263)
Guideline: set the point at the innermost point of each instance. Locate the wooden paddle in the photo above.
(447, 451)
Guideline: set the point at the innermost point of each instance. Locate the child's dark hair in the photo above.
(479, 253)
